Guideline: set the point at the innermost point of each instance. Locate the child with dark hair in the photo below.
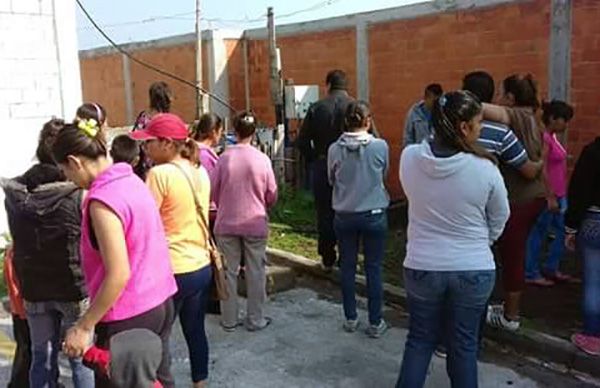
(556, 116)
(243, 189)
(357, 167)
(92, 110)
(418, 125)
(124, 149)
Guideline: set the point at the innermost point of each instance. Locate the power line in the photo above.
(149, 66)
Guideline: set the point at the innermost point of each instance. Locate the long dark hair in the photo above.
(244, 124)
(524, 89)
(449, 111)
(208, 124)
(357, 115)
(160, 97)
(47, 139)
(73, 140)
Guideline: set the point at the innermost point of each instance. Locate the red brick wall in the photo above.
(407, 55)
(585, 75)
(102, 82)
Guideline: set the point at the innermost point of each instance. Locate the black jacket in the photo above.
(44, 216)
(584, 188)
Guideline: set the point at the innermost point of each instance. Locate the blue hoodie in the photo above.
(357, 165)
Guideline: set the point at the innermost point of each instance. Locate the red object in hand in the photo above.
(98, 360)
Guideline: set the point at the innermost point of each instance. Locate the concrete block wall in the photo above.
(40, 76)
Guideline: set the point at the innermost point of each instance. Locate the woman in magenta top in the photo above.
(243, 188)
(556, 115)
(124, 250)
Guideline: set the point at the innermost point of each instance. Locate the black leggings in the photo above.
(159, 320)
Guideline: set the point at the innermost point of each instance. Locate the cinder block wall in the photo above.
(39, 79)
(402, 50)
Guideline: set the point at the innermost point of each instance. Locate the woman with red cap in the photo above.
(181, 188)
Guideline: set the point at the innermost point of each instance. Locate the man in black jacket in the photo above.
(323, 124)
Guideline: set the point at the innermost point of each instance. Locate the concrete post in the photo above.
(362, 60)
(560, 52)
(128, 89)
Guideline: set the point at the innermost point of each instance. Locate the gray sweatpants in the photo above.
(255, 255)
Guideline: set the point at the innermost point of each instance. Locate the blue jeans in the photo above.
(588, 243)
(371, 228)
(48, 322)
(190, 305)
(448, 306)
(546, 220)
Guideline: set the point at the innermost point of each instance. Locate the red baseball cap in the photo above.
(163, 125)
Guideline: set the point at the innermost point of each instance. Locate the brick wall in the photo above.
(405, 54)
(585, 74)
(40, 77)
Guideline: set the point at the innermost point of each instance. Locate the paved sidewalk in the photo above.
(306, 347)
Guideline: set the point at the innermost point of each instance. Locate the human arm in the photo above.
(215, 183)
(551, 200)
(496, 113)
(110, 235)
(271, 188)
(513, 154)
(497, 208)
(409, 132)
(305, 137)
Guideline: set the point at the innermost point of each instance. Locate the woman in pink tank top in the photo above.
(124, 250)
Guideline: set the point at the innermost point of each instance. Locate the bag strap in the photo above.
(200, 213)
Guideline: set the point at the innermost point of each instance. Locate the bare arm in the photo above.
(531, 170)
(495, 113)
(111, 241)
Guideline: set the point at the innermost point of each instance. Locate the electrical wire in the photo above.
(150, 66)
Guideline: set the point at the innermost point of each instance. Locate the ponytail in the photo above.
(81, 138)
(357, 115)
(449, 111)
(188, 149)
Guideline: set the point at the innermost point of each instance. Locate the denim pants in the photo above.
(370, 228)
(444, 306)
(546, 220)
(190, 305)
(588, 243)
(48, 322)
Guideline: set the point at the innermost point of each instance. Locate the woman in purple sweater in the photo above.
(243, 188)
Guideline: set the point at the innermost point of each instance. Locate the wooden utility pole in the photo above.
(277, 99)
(199, 94)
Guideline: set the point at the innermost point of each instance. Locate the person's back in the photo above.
(187, 239)
(244, 188)
(44, 215)
(451, 223)
(358, 167)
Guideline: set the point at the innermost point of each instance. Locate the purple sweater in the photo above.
(243, 188)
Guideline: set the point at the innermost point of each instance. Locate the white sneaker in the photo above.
(496, 318)
(376, 331)
(351, 325)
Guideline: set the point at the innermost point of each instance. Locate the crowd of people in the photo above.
(477, 176)
(111, 241)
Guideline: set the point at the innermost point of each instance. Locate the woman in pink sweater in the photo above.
(243, 188)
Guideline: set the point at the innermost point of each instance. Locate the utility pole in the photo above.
(277, 99)
(199, 94)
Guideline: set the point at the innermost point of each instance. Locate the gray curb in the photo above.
(546, 347)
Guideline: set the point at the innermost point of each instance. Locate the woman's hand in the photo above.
(77, 341)
(571, 241)
(552, 204)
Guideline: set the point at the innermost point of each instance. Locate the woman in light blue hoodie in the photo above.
(458, 207)
(357, 165)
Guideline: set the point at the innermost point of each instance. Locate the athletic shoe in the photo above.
(496, 318)
(253, 327)
(441, 351)
(376, 331)
(351, 325)
(587, 343)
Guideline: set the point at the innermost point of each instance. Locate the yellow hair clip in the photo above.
(89, 127)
